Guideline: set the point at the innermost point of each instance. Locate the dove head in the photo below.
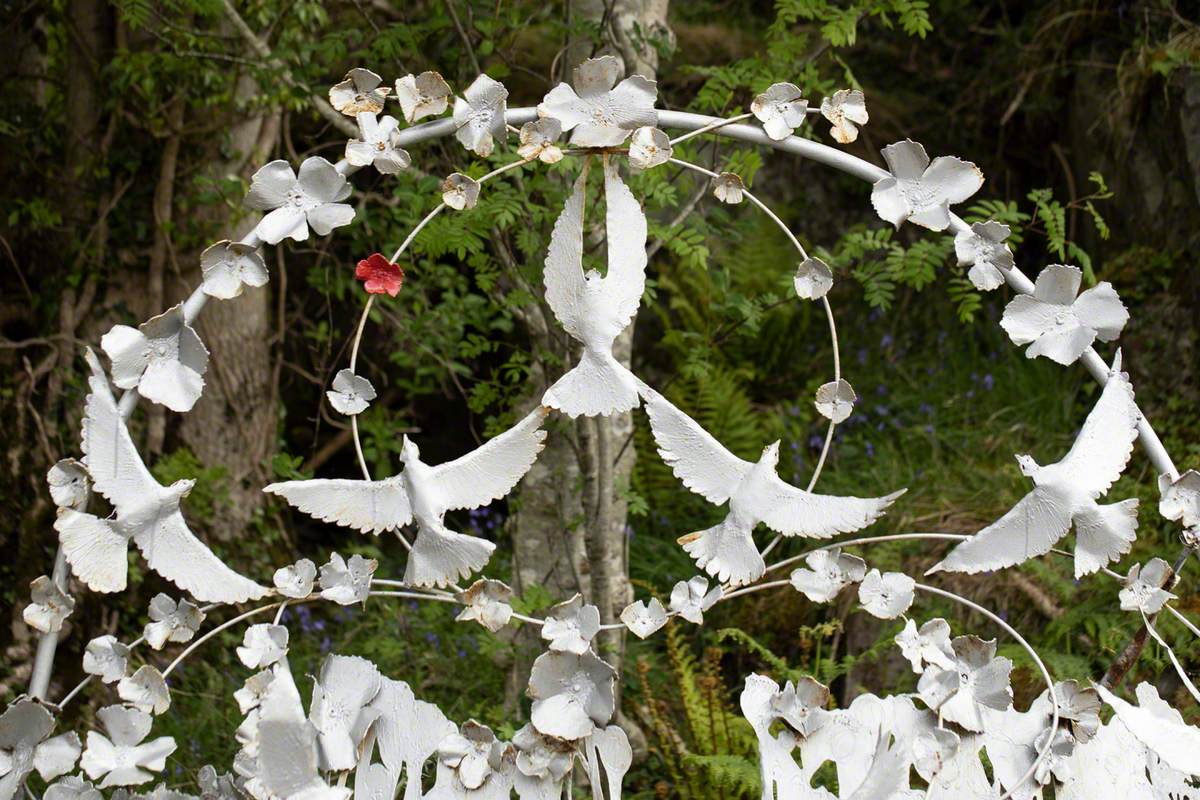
(592, 276)
(181, 488)
(1029, 467)
(409, 452)
(770, 453)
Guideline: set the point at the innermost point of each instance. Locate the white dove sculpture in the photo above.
(439, 556)
(595, 309)
(145, 511)
(755, 494)
(1065, 493)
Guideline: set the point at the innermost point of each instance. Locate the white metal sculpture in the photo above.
(959, 736)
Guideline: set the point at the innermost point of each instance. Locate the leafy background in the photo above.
(124, 157)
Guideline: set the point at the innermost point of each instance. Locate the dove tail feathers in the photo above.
(597, 385)
(726, 552)
(98, 555)
(1104, 533)
(440, 557)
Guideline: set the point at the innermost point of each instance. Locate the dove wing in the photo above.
(1104, 444)
(365, 506)
(490, 471)
(795, 512)
(626, 230)
(174, 552)
(1030, 528)
(563, 274)
(113, 461)
(697, 459)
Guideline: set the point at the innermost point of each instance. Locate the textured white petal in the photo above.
(1180, 498)
(424, 95)
(296, 580)
(106, 658)
(271, 186)
(460, 192)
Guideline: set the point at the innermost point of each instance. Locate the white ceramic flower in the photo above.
(1180, 501)
(691, 598)
(781, 109)
(359, 92)
(572, 694)
(921, 191)
(263, 645)
(378, 145)
(48, 607)
(171, 621)
(351, 394)
(339, 709)
(813, 279)
(886, 596)
(1056, 764)
(479, 115)
(296, 580)
(295, 203)
(642, 618)
(835, 400)
(214, 786)
(424, 95)
(538, 139)
(571, 625)
(460, 192)
(1144, 587)
(728, 188)
(829, 571)
(541, 756)
(70, 484)
(72, 788)
(1059, 325)
(598, 111)
(250, 696)
(145, 689)
(845, 109)
(977, 681)
(801, 705)
(120, 757)
(932, 750)
(24, 747)
(649, 148)
(473, 754)
(487, 602)
(106, 658)
(347, 582)
(1080, 707)
(983, 248)
(229, 267)
(163, 358)
(929, 645)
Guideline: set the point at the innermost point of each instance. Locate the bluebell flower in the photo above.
(870, 450)
(882, 411)
(988, 381)
(881, 389)
(886, 341)
(816, 442)
(929, 429)
(925, 408)
(326, 644)
(861, 355)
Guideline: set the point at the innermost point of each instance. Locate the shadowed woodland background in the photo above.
(129, 131)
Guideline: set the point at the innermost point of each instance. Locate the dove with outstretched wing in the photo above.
(146, 512)
(1065, 494)
(755, 494)
(423, 492)
(594, 309)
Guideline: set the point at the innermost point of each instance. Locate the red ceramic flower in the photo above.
(379, 276)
